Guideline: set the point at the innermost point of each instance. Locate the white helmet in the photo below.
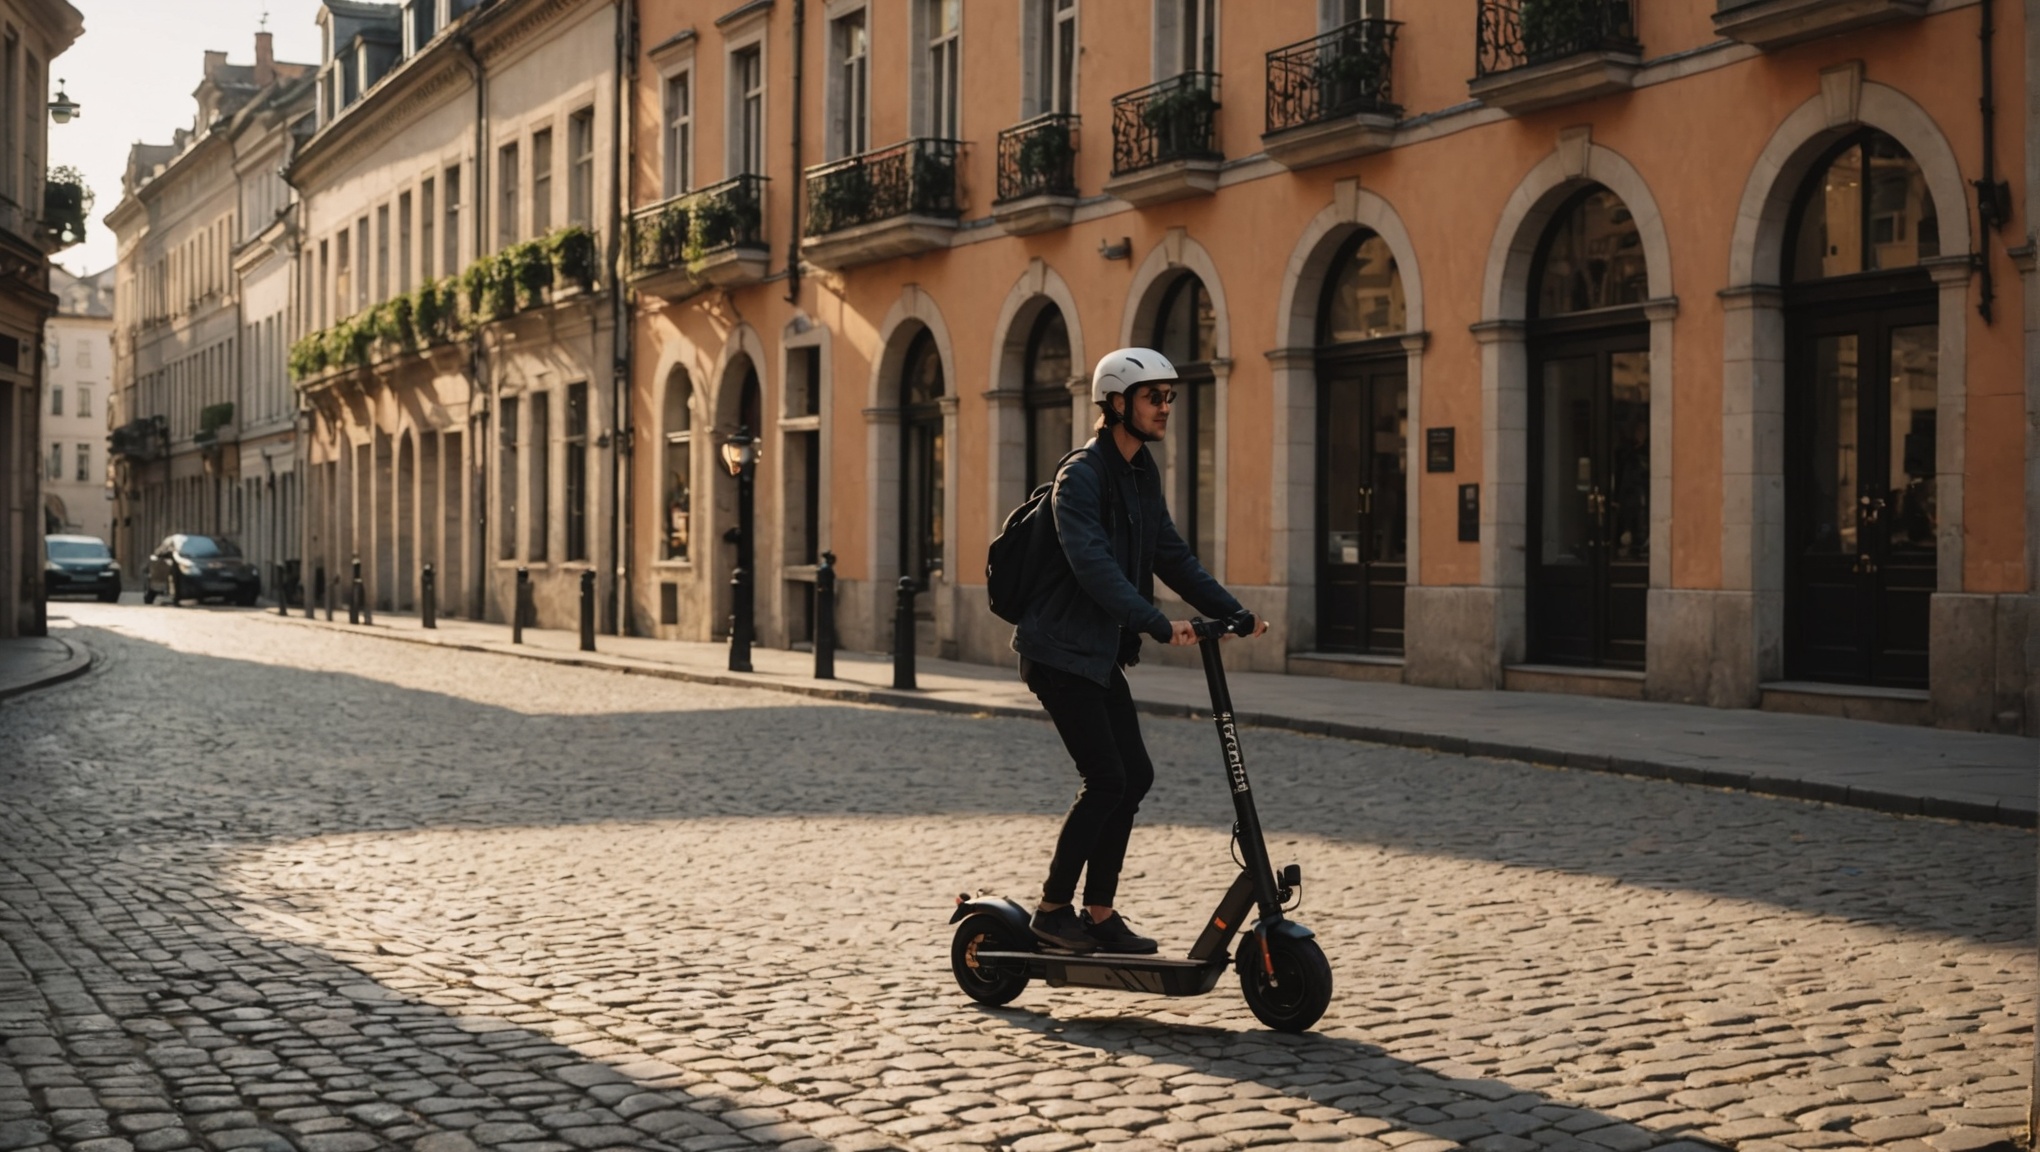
(1127, 368)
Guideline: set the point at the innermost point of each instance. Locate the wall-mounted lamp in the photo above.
(1120, 251)
(63, 108)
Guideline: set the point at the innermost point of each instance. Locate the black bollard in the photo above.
(518, 601)
(355, 597)
(282, 594)
(428, 597)
(588, 610)
(329, 599)
(903, 637)
(825, 618)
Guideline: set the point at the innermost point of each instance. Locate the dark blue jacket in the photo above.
(1117, 536)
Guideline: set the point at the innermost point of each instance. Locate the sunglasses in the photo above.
(1160, 397)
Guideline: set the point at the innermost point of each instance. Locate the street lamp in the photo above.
(63, 108)
(740, 458)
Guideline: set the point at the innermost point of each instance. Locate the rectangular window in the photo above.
(360, 300)
(1060, 77)
(1197, 49)
(581, 167)
(541, 182)
(404, 242)
(507, 478)
(945, 29)
(506, 195)
(382, 252)
(84, 462)
(850, 86)
(84, 401)
(747, 77)
(56, 461)
(426, 232)
(451, 238)
(679, 133)
(53, 353)
(56, 401)
(325, 282)
(577, 471)
(343, 277)
(540, 512)
(84, 356)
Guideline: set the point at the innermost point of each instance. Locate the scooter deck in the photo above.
(1159, 975)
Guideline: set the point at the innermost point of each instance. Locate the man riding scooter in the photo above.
(1083, 626)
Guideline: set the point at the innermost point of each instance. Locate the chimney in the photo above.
(214, 61)
(265, 60)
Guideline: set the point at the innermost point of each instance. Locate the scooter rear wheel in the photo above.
(1302, 984)
(985, 981)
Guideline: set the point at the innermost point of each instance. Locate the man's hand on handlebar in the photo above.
(1181, 633)
(1260, 626)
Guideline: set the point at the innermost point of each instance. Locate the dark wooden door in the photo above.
(1861, 399)
(1362, 544)
(1589, 504)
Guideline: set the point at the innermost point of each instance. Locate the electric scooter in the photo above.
(1283, 973)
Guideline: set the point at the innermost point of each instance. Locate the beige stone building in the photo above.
(38, 215)
(459, 364)
(195, 214)
(77, 384)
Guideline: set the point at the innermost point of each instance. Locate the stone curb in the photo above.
(1790, 788)
(75, 665)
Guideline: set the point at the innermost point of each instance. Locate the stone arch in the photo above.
(1295, 396)
(913, 312)
(727, 383)
(1470, 642)
(1177, 253)
(1750, 618)
(1037, 288)
(717, 515)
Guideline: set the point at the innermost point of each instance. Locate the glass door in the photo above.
(1589, 530)
(1861, 501)
(1363, 510)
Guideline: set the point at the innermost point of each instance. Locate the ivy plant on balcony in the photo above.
(1045, 155)
(840, 197)
(573, 256)
(1554, 28)
(721, 221)
(1180, 119)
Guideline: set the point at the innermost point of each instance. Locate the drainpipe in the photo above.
(478, 423)
(793, 192)
(1993, 196)
(620, 341)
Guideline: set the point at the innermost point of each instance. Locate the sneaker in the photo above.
(1062, 929)
(1112, 935)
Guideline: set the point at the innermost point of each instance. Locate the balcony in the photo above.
(1037, 174)
(1771, 24)
(1536, 53)
(141, 440)
(713, 238)
(897, 201)
(1329, 97)
(1165, 140)
(216, 426)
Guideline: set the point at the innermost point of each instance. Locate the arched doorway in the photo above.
(1861, 393)
(1046, 394)
(1362, 459)
(742, 406)
(1186, 331)
(1588, 522)
(923, 454)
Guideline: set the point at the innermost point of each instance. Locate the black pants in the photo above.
(1102, 732)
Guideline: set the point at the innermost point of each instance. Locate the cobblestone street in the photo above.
(271, 887)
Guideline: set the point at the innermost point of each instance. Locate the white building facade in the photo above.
(77, 381)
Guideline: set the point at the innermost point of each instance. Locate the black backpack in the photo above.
(1025, 546)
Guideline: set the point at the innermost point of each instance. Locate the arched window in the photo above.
(678, 424)
(1592, 257)
(921, 460)
(1364, 294)
(1047, 395)
(1186, 331)
(1866, 210)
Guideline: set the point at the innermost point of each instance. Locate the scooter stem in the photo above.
(1252, 844)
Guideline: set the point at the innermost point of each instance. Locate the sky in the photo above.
(132, 74)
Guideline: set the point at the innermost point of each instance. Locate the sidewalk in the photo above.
(30, 662)
(1889, 767)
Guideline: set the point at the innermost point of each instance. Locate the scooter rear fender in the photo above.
(1004, 910)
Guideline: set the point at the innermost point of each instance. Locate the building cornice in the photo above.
(422, 82)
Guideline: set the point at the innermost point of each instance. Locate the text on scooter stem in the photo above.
(1235, 767)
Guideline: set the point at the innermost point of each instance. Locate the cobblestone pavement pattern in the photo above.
(269, 888)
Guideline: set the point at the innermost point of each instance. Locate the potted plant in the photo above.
(530, 271)
(1180, 118)
(1045, 156)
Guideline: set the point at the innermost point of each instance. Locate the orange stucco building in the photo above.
(1640, 351)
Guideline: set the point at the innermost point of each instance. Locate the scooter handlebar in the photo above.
(1237, 624)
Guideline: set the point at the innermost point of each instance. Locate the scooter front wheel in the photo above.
(1299, 989)
(983, 980)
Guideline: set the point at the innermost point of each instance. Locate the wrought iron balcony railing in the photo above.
(916, 177)
(1519, 33)
(1038, 157)
(1341, 73)
(693, 225)
(1176, 119)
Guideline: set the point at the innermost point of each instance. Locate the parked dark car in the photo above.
(78, 565)
(198, 567)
